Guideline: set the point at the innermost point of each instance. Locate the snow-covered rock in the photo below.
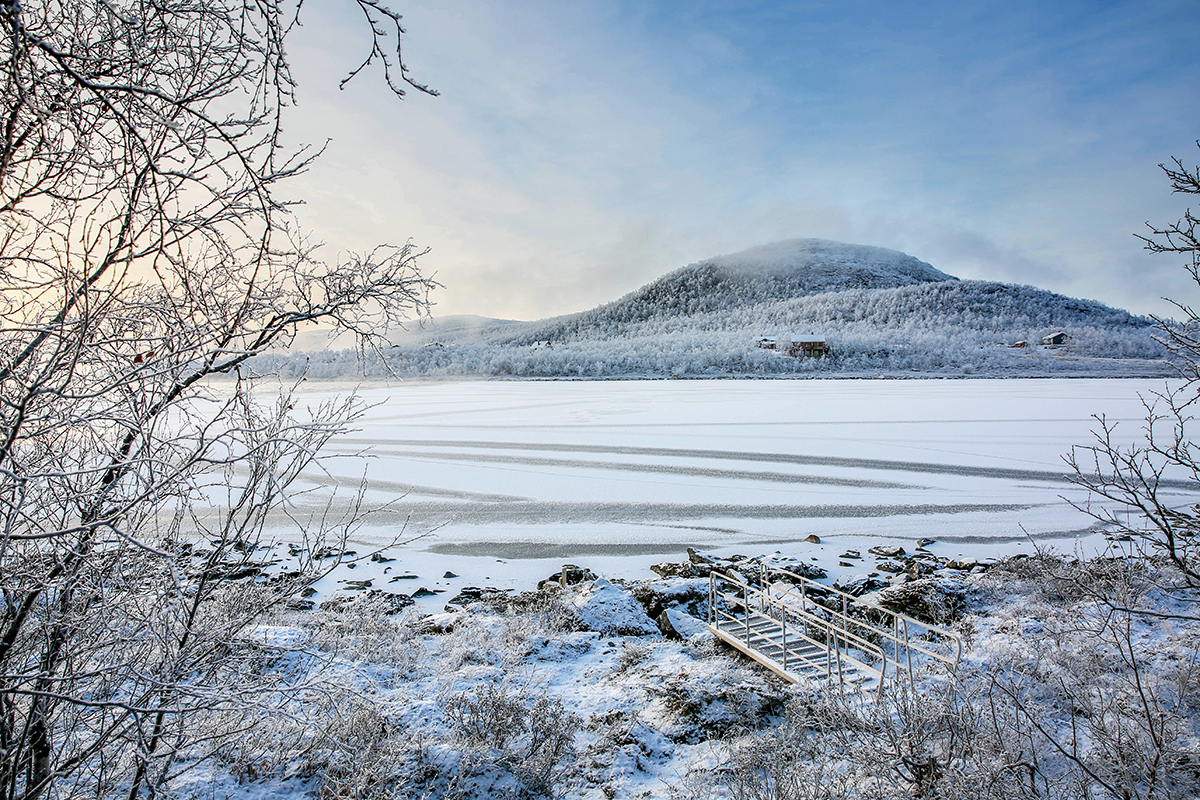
(610, 610)
(676, 623)
(936, 600)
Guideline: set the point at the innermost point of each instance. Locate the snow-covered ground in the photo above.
(575, 693)
(513, 479)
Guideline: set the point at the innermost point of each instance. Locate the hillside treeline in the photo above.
(944, 328)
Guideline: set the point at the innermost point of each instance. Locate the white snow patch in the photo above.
(607, 609)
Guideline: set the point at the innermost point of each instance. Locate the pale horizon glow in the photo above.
(580, 150)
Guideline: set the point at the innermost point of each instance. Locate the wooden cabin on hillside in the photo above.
(795, 346)
(811, 345)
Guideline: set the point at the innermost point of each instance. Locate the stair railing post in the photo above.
(828, 652)
(783, 627)
(896, 639)
(746, 610)
(838, 649)
(907, 651)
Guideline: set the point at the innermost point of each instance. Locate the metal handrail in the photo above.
(834, 655)
(896, 617)
(860, 643)
(839, 645)
(843, 634)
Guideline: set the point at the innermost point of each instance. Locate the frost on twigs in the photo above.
(146, 247)
(1078, 681)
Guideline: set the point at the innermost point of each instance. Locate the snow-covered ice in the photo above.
(513, 479)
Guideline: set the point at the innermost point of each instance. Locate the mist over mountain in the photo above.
(881, 311)
(777, 271)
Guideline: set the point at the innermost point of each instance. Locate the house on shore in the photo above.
(795, 346)
(811, 345)
(1056, 338)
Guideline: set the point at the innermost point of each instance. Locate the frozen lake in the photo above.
(517, 478)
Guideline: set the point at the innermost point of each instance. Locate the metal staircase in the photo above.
(803, 630)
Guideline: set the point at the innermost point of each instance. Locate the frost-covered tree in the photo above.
(1138, 477)
(146, 245)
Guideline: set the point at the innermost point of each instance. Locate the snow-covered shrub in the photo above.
(788, 762)
(506, 630)
(909, 744)
(327, 732)
(361, 752)
(546, 611)
(362, 630)
(488, 718)
(715, 703)
(634, 652)
(1095, 667)
(506, 732)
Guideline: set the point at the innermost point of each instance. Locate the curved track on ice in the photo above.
(564, 470)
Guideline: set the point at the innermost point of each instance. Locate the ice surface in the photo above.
(512, 479)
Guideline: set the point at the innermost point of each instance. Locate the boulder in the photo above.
(966, 564)
(437, 624)
(669, 569)
(393, 602)
(935, 600)
(569, 575)
(611, 611)
(470, 594)
(858, 585)
(677, 624)
(887, 550)
(801, 568)
(690, 595)
(917, 567)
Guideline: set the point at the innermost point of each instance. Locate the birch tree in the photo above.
(146, 245)
(1139, 478)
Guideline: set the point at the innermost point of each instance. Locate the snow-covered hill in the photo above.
(770, 273)
(880, 310)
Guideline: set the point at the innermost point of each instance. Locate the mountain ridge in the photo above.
(882, 311)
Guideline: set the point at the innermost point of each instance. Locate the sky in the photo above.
(580, 149)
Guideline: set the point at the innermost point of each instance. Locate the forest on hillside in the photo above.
(948, 328)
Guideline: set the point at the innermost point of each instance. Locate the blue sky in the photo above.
(580, 149)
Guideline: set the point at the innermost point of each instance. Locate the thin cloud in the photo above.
(582, 149)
